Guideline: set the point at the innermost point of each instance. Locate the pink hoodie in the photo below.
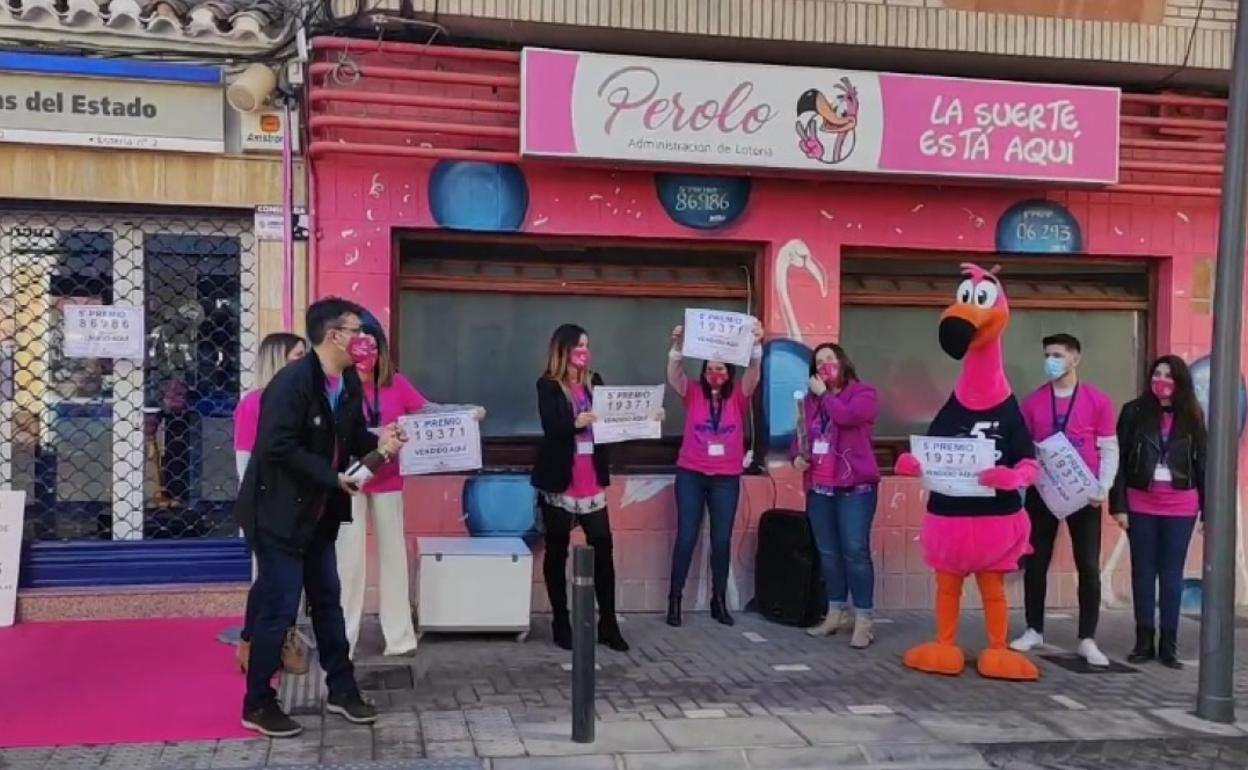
(845, 421)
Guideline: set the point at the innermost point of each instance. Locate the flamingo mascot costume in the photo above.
(980, 536)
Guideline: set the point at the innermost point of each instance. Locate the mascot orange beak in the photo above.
(965, 326)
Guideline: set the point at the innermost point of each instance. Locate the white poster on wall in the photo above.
(104, 331)
(12, 510)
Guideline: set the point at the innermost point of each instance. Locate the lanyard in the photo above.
(717, 412)
(1163, 437)
(824, 419)
(373, 410)
(1059, 423)
(581, 402)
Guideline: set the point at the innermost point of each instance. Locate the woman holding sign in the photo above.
(1157, 496)
(836, 458)
(571, 479)
(708, 468)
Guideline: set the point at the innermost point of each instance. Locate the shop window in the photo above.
(475, 320)
(888, 326)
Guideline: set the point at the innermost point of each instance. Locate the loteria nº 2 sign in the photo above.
(645, 110)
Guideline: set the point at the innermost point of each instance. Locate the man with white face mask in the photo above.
(1086, 416)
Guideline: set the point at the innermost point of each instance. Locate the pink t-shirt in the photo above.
(398, 398)
(584, 474)
(246, 421)
(1090, 416)
(711, 447)
(1162, 499)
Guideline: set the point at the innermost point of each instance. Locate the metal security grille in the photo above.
(124, 448)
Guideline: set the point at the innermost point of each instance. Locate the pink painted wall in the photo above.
(359, 203)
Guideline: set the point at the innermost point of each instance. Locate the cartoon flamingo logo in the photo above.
(827, 128)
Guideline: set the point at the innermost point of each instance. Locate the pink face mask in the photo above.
(579, 358)
(829, 372)
(363, 350)
(1163, 389)
(716, 379)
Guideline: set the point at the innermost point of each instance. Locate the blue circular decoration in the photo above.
(1201, 369)
(501, 505)
(703, 202)
(1039, 227)
(482, 197)
(786, 370)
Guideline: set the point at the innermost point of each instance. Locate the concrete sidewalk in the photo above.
(756, 696)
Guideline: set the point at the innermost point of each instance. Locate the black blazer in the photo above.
(553, 471)
(1140, 449)
(291, 482)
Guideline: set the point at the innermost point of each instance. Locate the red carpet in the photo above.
(118, 681)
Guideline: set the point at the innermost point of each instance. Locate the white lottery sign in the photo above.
(104, 331)
(951, 466)
(627, 413)
(440, 442)
(718, 335)
(1065, 483)
(12, 513)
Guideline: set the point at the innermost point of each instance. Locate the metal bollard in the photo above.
(583, 641)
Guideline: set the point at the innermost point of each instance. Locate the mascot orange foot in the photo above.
(943, 656)
(984, 534)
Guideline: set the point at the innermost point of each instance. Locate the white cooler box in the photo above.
(473, 584)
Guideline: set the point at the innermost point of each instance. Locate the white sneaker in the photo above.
(1030, 640)
(1092, 654)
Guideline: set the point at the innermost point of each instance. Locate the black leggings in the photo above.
(1085, 541)
(597, 527)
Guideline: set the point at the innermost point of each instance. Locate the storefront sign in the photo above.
(264, 132)
(703, 202)
(12, 512)
(718, 335)
(104, 331)
(1039, 227)
(440, 442)
(627, 413)
(951, 466)
(590, 106)
(121, 113)
(269, 223)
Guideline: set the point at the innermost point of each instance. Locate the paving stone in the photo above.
(807, 758)
(294, 751)
(346, 754)
(444, 726)
(554, 739)
(923, 756)
(78, 757)
(245, 753)
(449, 749)
(1201, 753)
(744, 732)
(399, 750)
(838, 728)
(1108, 725)
(192, 755)
(687, 760)
(1185, 719)
(998, 727)
(594, 762)
(137, 756)
(347, 736)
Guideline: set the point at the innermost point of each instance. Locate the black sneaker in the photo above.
(353, 708)
(270, 720)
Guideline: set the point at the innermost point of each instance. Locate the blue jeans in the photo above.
(697, 493)
(282, 576)
(1158, 553)
(842, 528)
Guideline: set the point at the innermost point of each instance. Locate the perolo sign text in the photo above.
(703, 113)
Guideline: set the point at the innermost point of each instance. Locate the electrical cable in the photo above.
(1187, 53)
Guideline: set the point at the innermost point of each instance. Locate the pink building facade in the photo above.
(859, 259)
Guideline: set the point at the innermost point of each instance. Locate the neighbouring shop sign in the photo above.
(111, 113)
(600, 107)
(104, 331)
(1039, 227)
(269, 221)
(12, 513)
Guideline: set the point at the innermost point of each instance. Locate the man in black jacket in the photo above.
(293, 497)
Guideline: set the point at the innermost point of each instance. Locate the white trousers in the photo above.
(393, 585)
